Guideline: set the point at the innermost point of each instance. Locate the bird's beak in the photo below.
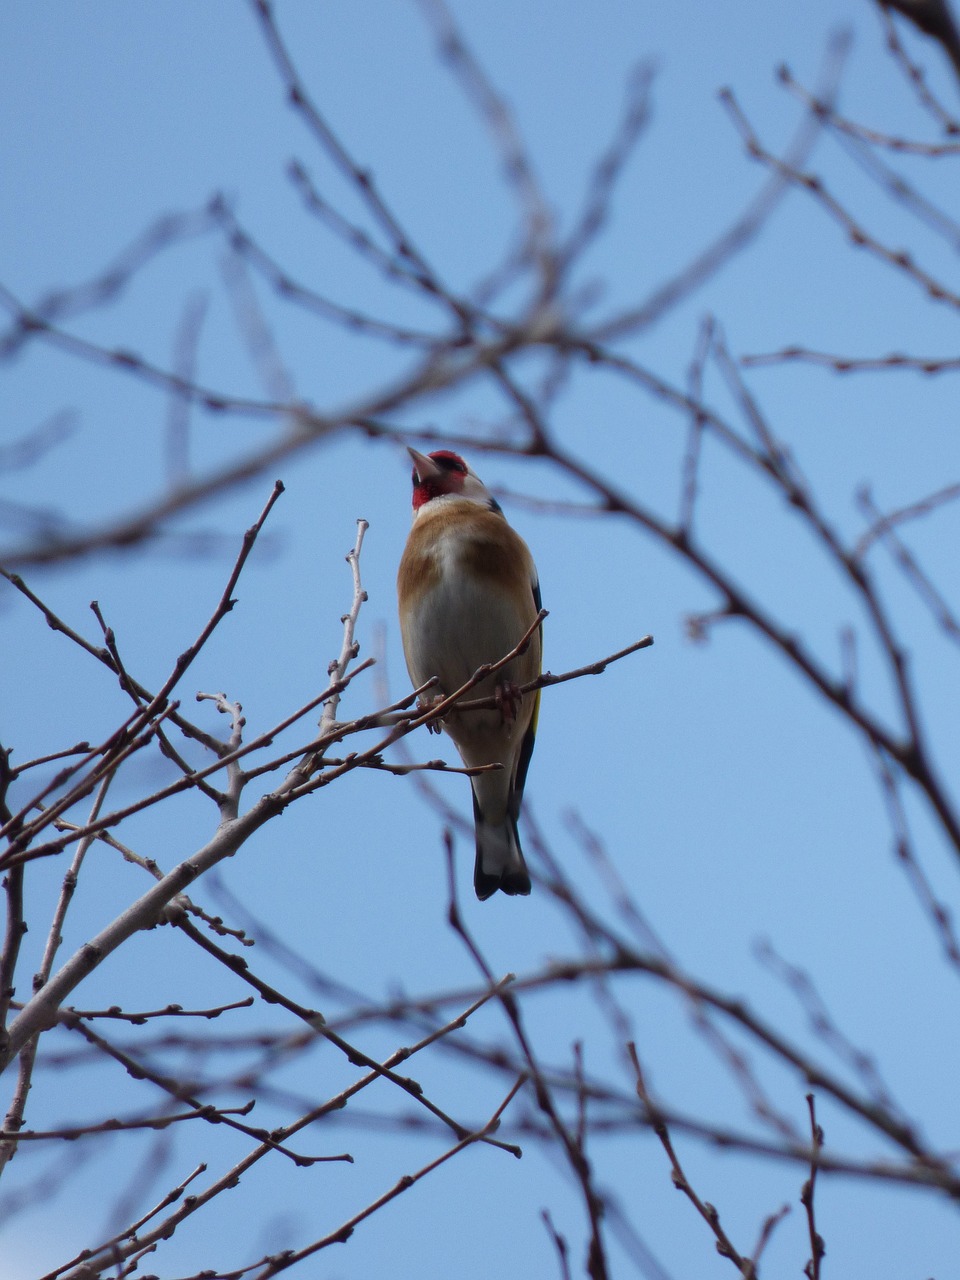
(426, 468)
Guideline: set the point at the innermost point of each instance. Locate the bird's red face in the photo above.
(435, 474)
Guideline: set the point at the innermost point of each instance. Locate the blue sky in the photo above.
(734, 805)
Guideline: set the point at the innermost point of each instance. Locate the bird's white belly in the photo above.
(457, 627)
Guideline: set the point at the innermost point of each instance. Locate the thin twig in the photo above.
(707, 1211)
(817, 1248)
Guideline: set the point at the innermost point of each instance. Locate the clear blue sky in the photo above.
(735, 807)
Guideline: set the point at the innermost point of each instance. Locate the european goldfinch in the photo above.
(468, 591)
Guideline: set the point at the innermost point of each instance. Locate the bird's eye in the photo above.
(449, 461)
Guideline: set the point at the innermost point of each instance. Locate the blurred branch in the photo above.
(900, 260)
(850, 364)
(67, 303)
(736, 237)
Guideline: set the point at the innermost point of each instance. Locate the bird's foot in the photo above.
(508, 698)
(425, 704)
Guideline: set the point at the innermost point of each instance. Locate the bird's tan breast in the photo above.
(466, 592)
(479, 545)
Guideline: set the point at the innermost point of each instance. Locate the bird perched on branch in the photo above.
(468, 593)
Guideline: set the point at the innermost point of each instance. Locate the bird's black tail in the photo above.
(500, 863)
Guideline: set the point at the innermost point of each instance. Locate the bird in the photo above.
(468, 592)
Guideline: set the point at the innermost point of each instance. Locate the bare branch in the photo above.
(817, 1249)
(707, 1211)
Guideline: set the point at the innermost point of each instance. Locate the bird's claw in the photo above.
(425, 704)
(508, 698)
